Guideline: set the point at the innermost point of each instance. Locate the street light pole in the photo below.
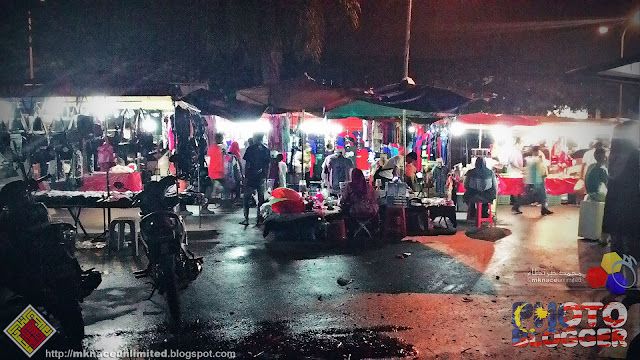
(624, 33)
(407, 39)
(31, 74)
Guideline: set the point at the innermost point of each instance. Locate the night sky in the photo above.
(454, 43)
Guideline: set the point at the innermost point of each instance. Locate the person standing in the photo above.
(589, 159)
(233, 174)
(282, 171)
(597, 177)
(535, 175)
(378, 164)
(215, 153)
(257, 158)
(411, 170)
(389, 170)
(622, 203)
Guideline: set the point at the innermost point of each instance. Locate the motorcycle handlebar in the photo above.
(44, 178)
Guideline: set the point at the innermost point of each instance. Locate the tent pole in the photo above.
(302, 148)
(404, 140)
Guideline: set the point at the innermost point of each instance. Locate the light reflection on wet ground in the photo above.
(452, 296)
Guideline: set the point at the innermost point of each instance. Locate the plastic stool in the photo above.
(336, 229)
(590, 220)
(395, 222)
(480, 218)
(119, 237)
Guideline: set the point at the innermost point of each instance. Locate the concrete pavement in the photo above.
(450, 299)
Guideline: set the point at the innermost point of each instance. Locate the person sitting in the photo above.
(597, 176)
(481, 187)
(359, 200)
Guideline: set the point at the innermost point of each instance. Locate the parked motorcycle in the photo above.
(37, 261)
(164, 237)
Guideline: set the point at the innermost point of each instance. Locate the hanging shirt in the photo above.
(362, 159)
(339, 169)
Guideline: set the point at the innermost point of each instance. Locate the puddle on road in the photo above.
(269, 340)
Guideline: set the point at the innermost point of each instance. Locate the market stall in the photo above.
(505, 139)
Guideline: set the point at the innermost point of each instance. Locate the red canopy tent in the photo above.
(497, 119)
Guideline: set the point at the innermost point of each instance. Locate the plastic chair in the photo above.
(395, 223)
(118, 237)
(480, 218)
(363, 225)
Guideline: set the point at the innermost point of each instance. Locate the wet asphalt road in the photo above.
(450, 299)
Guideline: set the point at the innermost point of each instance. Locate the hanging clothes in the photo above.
(275, 140)
(170, 136)
(362, 159)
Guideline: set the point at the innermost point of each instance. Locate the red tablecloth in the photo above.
(515, 186)
(554, 186)
(98, 181)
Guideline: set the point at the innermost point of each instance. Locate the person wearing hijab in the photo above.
(233, 171)
(359, 200)
(234, 148)
(622, 202)
(481, 187)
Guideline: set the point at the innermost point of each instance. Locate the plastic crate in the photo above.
(503, 200)
(554, 200)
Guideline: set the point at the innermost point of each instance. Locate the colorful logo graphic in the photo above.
(564, 324)
(609, 273)
(29, 331)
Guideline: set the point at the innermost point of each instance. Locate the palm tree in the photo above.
(265, 31)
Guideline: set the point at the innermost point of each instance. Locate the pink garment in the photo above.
(106, 156)
(275, 135)
(172, 139)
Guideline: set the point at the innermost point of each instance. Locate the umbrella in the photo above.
(286, 201)
(212, 103)
(497, 119)
(302, 93)
(423, 98)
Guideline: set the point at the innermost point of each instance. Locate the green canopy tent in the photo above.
(364, 109)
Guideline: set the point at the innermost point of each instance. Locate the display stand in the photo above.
(106, 214)
(200, 191)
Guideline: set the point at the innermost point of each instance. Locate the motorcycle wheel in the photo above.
(168, 268)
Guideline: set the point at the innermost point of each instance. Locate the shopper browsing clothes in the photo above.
(389, 170)
(411, 170)
(257, 159)
(215, 153)
(535, 174)
(233, 172)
